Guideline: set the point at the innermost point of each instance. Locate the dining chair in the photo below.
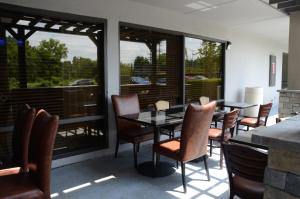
(20, 141)
(223, 134)
(193, 141)
(169, 130)
(35, 183)
(129, 131)
(245, 166)
(205, 100)
(260, 120)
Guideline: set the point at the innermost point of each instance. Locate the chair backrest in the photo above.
(244, 161)
(42, 140)
(194, 134)
(230, 119)
(204, 100)
(21, 136)
(264, 111)
(162, 105)
(124, 105)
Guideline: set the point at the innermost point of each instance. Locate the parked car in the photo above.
(80, 82)
(140, 80)
(200, 77)
(162, 81)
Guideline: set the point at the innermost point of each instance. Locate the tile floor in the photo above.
(108, 177)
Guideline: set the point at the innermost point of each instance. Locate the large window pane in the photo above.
(203, 69)
(61, 74)
(150, 65)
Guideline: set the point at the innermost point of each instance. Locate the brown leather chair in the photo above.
(169, 130)
(129, 131)
(260, 120)
(20, 141)
(245, 167)
(36, 182)
(193, 141)
(225, 133)
(219, 118)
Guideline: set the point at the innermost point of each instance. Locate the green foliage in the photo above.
(140, 60)
(45, 65)
(209, 61)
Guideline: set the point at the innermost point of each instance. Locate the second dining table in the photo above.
(158, 120)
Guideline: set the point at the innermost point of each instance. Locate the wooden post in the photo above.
(3, 61)
(4, 83)
(22, 58)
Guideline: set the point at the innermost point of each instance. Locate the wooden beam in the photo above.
(49, 30)
(292, 9)
(288, 4)
(12, 32)
(278, 1)
(29, 34)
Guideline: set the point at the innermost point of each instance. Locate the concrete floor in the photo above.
(112, 178)
(108, 177)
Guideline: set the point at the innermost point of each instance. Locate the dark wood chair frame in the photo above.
(264, 111)
(244, 161)
(229, 123)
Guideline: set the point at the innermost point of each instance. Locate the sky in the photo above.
(80, 46)
(84, 47)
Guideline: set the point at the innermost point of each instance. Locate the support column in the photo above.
(4, 84)
(3, 61)
(22, 58)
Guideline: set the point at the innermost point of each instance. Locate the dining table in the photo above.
(234, 105)
(159, 120)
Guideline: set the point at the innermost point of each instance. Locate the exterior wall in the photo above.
(294, 49)
(247, 63)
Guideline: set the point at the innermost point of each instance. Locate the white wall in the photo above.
(247, 63)
(294, 49)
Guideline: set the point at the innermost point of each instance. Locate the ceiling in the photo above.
(251, 15)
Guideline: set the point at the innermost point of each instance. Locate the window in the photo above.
(59, 69)
(150, 65)
(203, 69)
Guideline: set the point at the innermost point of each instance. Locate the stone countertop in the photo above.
(283, 135)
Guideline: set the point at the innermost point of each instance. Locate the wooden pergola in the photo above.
(21, 25)
(286, 6)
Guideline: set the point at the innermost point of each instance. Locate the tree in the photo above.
(49, 55)
(84, 68)
(140, 60)
(210, 57)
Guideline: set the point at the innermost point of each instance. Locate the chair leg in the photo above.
(135, 154)
(117, 147)
(231, 194)
(210, 147)
(237, 129)
(183, 176)
(176, 164)
(247, 128)
(221, 158)
(206, 168)
(138, 147)
(216, 124)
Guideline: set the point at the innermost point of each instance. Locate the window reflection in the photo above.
(203, 69)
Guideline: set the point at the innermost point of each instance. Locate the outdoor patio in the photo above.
(108, 177)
